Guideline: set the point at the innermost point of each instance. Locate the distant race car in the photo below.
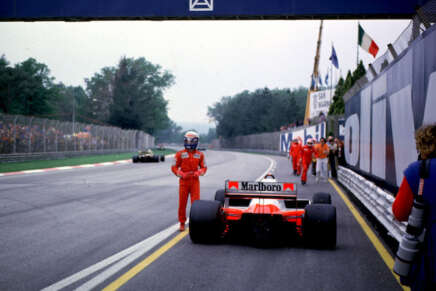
(264, 211)
(147, 156)
(202, 148)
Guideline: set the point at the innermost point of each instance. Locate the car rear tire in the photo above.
(319, 226)
(205, 221)
(219, 195)
(321, 198)
(162, 158)
(156, 159)
(135, 159)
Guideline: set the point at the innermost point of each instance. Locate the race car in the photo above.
(147, 156)
(264, 211)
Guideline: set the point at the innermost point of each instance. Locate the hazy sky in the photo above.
(210, 59)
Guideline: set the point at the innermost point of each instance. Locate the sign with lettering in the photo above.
(320, 102)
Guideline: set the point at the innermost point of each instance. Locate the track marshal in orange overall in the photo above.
(294, 154)
(189, 164)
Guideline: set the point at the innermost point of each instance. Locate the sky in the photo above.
(209, 59)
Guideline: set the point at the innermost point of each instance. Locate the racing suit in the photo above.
(294, 153)
(306, 156)
(188, 166)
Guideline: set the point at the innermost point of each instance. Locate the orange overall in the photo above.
(188, 165)
(306, 155)
(294, 153)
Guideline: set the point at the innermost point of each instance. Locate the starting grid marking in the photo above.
(121, 162)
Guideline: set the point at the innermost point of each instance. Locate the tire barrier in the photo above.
(376, 200)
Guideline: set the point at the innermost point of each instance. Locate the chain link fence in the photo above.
(25, 135)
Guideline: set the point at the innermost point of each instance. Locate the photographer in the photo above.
(333, 152)
(423, 272)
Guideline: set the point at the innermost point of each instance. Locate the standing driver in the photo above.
(189, 164)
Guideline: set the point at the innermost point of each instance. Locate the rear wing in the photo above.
(271, 190)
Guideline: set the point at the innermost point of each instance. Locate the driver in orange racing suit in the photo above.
(294, 153)
(188, 165)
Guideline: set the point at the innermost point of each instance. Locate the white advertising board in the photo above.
(320, 102)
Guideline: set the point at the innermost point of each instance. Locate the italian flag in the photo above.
(366, 42)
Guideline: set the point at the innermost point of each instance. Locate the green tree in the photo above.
(209, 137)
(138, 101)
(27, 88)
(71, 98)
(263, 110)
(173, 133)
(337, 107)
(100, 91)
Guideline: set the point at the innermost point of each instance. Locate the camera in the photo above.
(411, 242)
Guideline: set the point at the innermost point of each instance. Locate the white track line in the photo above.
(152, 242)
(271, 168)
(106, 164)
(64, 168)
(136, 251)
(33, 171)
(87, 166)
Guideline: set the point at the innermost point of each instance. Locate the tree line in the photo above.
(337, 107)
(128, 95)
(263, 110)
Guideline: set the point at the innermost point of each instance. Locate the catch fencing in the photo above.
(29, 135)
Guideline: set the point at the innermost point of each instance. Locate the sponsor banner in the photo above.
(320, 102)
(382, 117)
(314, 131)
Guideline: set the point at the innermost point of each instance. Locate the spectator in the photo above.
(423, 272)
(333, 149)
(314, 158)
(322, 117)
(340, 153)
(321, 152)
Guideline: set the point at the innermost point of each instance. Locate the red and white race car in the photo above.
(264, 211)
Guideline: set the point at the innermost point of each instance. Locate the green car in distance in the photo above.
(147, 156)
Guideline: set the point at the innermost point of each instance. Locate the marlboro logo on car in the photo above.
(273, 187)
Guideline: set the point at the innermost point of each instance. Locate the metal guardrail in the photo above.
(376, 200)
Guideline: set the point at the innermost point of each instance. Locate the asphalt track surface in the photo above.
(61, 230)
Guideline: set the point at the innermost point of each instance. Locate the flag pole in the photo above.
(357, 43)
(331, 77)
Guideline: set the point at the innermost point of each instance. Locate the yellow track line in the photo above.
(384, 254)
(142, 265)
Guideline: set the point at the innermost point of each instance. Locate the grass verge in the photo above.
(44, 164)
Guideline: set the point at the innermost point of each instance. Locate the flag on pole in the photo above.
(334, 58)
(366, 42)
